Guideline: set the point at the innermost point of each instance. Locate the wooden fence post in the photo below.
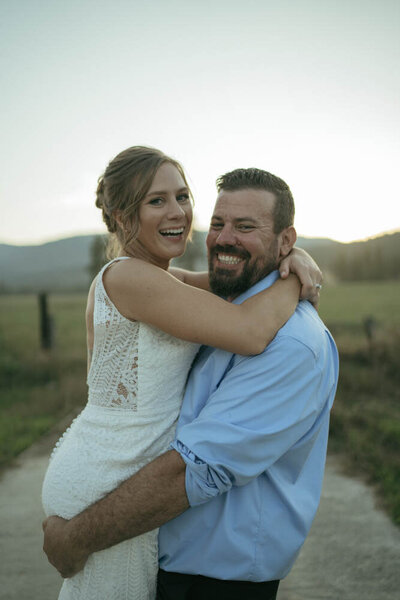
(45, 323)
(370, 325)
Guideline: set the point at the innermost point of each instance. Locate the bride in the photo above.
(145, 322)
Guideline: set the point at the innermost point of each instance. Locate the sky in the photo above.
(306, 89)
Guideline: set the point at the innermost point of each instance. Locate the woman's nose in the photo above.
(175, 210)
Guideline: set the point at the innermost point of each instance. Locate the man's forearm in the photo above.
(151, 497)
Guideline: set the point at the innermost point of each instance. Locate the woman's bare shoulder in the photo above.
(131, 272)
(130, 283)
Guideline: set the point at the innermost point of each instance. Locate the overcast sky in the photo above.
(306, 89)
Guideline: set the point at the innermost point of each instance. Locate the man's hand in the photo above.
(60, 549)
(152, 496)
(298, 261)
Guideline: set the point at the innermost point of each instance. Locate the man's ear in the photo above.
(287, 239)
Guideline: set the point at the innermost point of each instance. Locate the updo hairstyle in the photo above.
(121, 189)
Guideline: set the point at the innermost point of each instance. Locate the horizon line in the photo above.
(93, 233)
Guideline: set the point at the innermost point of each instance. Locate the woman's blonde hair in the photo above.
(121, 189)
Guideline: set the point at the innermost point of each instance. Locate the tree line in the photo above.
(375, 259)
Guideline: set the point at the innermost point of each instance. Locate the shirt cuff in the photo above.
(202, 483)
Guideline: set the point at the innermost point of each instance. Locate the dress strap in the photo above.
(105, 267)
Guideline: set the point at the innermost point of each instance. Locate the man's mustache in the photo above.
(233, 250)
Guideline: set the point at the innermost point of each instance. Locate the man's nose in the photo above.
(226, 236)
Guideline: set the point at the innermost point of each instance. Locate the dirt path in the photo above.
(352, 553)
(353, 550)
(24, 571)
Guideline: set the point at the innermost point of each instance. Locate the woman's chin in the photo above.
(178, 252)
(176, 248)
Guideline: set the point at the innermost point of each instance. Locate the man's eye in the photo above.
(245, 227)
(216, 225)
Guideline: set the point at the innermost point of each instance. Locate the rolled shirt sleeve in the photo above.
(262, 407)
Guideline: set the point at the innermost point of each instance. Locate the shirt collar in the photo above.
(263, 284)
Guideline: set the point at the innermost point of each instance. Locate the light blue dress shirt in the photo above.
(253, 432)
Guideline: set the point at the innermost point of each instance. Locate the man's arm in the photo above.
(151, 497)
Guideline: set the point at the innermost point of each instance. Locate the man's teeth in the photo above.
(229, 259)
(172, 231)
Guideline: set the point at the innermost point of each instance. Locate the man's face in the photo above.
(242, 245)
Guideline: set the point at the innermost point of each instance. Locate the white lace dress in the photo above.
(136, 384)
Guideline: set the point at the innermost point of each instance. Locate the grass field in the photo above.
(365, 424)
(38, 388)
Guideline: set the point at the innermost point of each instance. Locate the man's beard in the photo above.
(225, 283)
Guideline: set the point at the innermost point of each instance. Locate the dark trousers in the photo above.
(176, 586)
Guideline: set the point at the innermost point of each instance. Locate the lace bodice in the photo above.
(134, 365)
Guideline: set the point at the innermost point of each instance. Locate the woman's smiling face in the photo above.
(165, 217)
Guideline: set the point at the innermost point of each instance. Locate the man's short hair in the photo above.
(257, 179)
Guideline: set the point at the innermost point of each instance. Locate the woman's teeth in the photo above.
(172, 232)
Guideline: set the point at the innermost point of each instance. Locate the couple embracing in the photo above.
(209, 398)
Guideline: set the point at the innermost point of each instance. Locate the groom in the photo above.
(238, 491)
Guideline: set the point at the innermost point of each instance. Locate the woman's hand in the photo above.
(298, 261)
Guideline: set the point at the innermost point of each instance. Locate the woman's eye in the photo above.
(183, 197)
(156, 201)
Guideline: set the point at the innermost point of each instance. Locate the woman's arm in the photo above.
(298, 261)
(197, 279)
(89, 324)
(143, 292)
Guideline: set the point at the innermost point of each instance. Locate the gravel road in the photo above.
(352, 553)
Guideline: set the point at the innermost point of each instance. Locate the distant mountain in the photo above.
(323, 250)
(56, 266)
(64, 265)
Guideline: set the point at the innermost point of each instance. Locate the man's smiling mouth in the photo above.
(229, 259)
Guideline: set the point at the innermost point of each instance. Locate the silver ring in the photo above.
(318, 286)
